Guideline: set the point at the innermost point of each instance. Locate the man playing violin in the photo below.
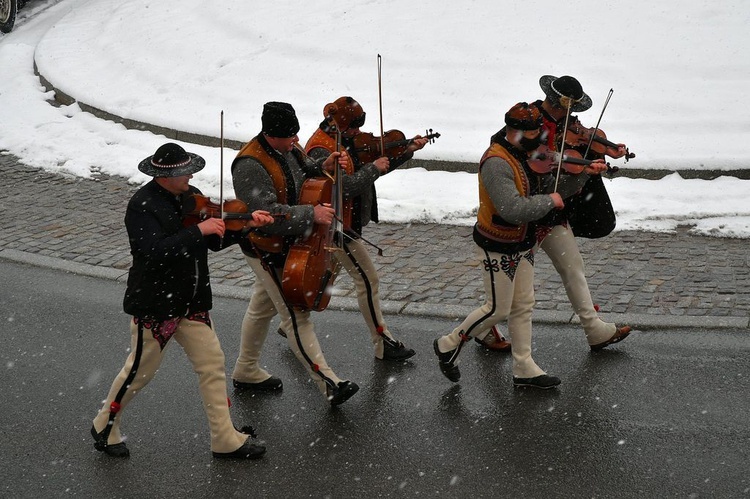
(512, 200)
(169, 295)
(588, 214)
(267, 174)
(346, 115)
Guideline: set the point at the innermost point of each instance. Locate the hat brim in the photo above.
(195, 164)
(583, 104)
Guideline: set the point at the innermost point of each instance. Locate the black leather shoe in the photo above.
(248, 450)
(448, 368)
(342, 392)
(247, 430)
(396, 351)
(543, 381)
(270, 385)
(114, 450)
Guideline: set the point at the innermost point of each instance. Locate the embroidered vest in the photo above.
(489, 222)
(253, 149)
(320, 139)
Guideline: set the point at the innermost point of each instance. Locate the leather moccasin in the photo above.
(272, 384)
(449, 369)
(114, 450)
(342, 392)
(620, 334)
(248, 450)
(543, 381)
(396, 351)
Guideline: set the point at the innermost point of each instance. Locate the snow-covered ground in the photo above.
(678, 70)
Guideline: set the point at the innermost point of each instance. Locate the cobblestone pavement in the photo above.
(426, 268)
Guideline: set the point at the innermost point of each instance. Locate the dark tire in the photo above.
(8, 9)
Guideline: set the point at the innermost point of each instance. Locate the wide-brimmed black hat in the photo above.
(279, 120)
(171, 160)
(565, 87)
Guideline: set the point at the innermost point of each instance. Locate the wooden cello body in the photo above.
(311, 268)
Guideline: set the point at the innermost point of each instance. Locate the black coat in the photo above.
(169, 275)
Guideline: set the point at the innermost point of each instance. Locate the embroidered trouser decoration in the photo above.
(117, 402)
(509, 292)
(302, 339)
(356, 260)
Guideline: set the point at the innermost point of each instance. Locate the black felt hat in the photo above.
(171, 160)
(279, 120)
(565, 87)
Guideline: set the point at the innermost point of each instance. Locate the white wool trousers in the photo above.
(202, 348)
(562, 249)
(357, 262)
(509, 295)
(300, 333)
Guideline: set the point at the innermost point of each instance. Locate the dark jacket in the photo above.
(169, 275)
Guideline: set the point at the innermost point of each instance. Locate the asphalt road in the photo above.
(663, 414)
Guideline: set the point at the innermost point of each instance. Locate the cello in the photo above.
(310, 267)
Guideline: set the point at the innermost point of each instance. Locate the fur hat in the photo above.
(171, 160)
(279, 120)
(345, 112)
(559, 89)
(522, 116)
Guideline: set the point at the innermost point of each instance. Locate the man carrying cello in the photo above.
(347, 116)
(268, 172)
(588, 214)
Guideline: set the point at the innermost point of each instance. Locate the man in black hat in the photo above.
(510, 206)
(588, 214)
(268, 174)
(169, 295)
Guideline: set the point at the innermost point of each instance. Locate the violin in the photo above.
(236, 217)
(368, 146)
(578, 135)
(544, 160)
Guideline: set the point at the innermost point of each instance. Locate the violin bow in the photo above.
(562, 145)
(380, 104)
(591, 139)
(221, 164)
(338, 185)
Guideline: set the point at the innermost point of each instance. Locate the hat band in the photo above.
(559, 94)
(176, 165)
